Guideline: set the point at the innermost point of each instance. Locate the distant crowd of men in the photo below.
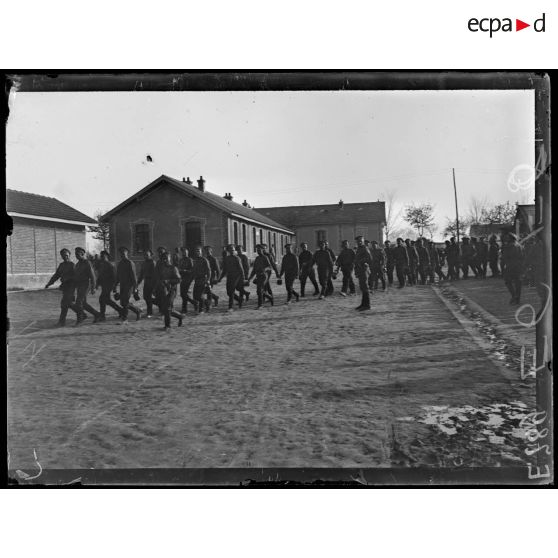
(193, 277)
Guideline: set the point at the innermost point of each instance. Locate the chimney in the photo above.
(201, 184)
(340, 204)
(187, 181)
(245, 203)
(228, 196)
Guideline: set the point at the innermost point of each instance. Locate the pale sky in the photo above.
(273, 148)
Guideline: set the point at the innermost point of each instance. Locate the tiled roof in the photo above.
(228, 206)
(43, 206)
(300, 215)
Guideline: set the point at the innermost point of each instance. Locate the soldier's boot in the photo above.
(62, 318)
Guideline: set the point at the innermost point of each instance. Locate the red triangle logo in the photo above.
(519, 25)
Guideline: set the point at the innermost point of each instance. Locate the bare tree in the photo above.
(393, 213)
(420, 217)
(500, 213)
(477, 210)
(101, 231)
(451, 227)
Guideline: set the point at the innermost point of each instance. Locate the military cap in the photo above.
(123, 249)
(105, 253)
(64, 250)
(374, 242)
(288, 244)
(359, 236)
(80, 249)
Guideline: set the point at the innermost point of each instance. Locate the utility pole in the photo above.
(456, 211)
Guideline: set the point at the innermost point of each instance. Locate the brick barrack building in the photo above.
(42, 226)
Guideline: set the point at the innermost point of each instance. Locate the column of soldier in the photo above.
(413, 263)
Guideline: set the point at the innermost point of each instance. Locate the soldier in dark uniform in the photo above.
(106, 279)
(185, 265)
(215, 271)
(232, 268)
(346, 263)
(401, 259)
(126, 278)
(167, 277)
(330, 288)
(176, 256)
(201, 272)
(84, 280)
(390, 261)
(64, 272)
(512, 266)
(245, 267)
(453, 255)
(482, 257)
(435, 263)
(413, 262)
(493, 254)
(261, 269)
(468, 255)
(306, 263)
(363, 261)
(290, 268)
(423, 263)
(324, 263)
(475, 262)
(377, 268)
(147, 275)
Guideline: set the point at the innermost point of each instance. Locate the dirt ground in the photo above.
(313, 384)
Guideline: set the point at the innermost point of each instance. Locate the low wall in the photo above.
(28, 281)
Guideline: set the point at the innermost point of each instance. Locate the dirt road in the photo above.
(313, 384)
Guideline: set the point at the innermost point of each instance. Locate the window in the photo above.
(141, 238)
(275, 242)
(192, 235)
(244, 239)
(235, 233)
(254, 238)
(320, 235)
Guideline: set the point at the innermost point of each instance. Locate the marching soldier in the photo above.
(147, 275)
(245, 267)
(363, 262)
(330, 280)
(84, 280)
(390, 261)
(167, 277)
(271, 257)
(453, 256)
(435, 263)
(401, 259)
(126, 278)
(346, 263)
(377, 268)
(290, 267)
(423, 262)
(413, 261)
(306, 263)
(201, 273)
(493, 253)
(475, 262)
(185, 266)
(232, 268)
(467, 258)
(215, 272)
(64, 272)
(106, 279)
(482, 256)
(261, 270)
(512, 266)
(324, 263)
